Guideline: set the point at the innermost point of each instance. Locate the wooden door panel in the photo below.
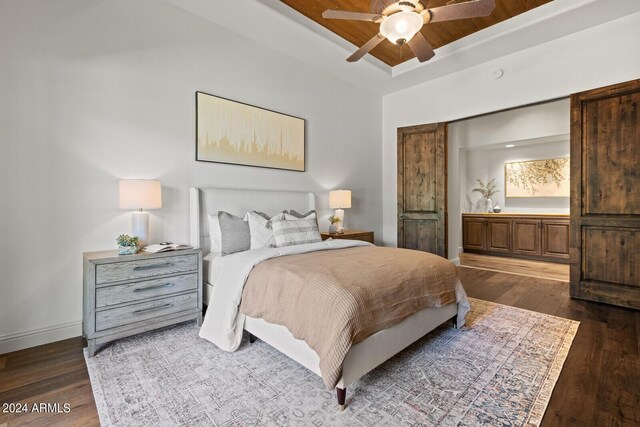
(421, 235)
(499, 235)
(526, 237)
(473, 234)
(420, 172)
(555, 239)
(612, 151)
(422, 188)
(605, 196)
(611, 256)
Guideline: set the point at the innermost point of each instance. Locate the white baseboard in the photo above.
(35, 337)
(456, 261)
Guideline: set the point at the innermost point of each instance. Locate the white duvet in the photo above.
(223, 323)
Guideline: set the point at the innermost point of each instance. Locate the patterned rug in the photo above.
(500, 369)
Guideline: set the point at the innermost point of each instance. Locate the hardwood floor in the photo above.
(599, 384)
(540, 269)
(52, 373)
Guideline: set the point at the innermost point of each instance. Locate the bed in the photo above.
(361, 357)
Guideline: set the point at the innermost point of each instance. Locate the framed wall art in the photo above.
(241, 134)
(537, 178)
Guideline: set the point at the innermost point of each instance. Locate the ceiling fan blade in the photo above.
(366, 48)
(353, 16)
(421, 47)
(470, 9)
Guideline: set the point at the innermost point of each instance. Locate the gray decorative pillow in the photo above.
(234, 234)
(296, 232)
(292, 215)
(296, 214)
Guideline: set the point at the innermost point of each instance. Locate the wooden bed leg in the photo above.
(252, 338)
(342, 396)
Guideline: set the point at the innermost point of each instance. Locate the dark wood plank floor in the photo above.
(599, 384)
(52, 373)
(525, 267)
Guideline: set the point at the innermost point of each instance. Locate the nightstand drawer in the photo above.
(129, 270)
(115, 317)
(118, 294)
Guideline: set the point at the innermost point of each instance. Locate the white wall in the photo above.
(94, 91)
(596, 57)
(489, 164)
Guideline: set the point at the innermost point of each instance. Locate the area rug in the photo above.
(500, 369)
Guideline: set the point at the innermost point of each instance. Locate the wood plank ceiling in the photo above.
(438, 34)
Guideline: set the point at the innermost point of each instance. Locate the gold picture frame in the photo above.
(235, 133)
(537, 178)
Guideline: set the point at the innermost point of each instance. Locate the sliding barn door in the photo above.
(605, 195)
(422, 188)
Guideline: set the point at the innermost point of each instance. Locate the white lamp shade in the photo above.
(140, 194)
(340, 199)
(401, 26)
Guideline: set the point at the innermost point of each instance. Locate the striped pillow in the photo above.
(296, 232)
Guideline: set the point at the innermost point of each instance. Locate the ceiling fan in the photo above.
(401, 21)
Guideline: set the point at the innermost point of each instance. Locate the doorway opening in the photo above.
(509, 191)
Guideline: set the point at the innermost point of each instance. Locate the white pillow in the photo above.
(214, 233)
(261, 229)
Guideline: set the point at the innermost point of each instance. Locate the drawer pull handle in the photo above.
(152, 267)
(150, 288)
(146, 310)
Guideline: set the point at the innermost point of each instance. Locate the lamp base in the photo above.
(140, 226)
(339, 213)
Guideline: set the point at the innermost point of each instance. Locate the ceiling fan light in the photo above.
(401, 26)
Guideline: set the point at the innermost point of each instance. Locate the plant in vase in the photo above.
(127, 245)
(333, 227)
(487, 190)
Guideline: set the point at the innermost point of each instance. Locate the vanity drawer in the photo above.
(115, 317)
(118, 294)
(130, 270)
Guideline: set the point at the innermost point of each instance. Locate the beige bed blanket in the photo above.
(333, 299)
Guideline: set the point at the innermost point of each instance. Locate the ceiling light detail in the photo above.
(400, 27)
(400, 22)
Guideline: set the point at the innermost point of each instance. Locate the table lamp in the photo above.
(340, 200)
(140, 194)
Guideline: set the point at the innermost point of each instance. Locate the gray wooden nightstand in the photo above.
(125, 295)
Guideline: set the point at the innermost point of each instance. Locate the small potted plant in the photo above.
(127, 245)
(487, 190)
(334, 220)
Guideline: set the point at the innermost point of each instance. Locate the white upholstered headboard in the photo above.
(204, 201)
